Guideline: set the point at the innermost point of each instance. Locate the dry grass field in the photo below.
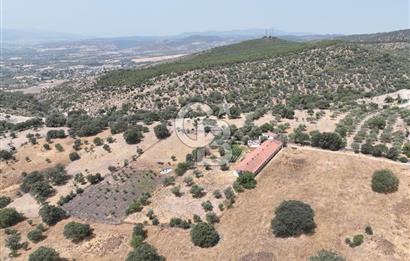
(107, 242)
(337, 187)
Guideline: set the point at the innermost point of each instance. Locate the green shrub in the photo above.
(94, 179)
(55, 134)
(155, 221)
(176, 191)
(132, 136)
(76, 231)
(161, 131)
(377, 122)
(217, 194)
(189, 181)
(139, 230)
(181, 168)
(325, 255)
(136, 241)
(30, 179)
(144, 198)
(5, 155)
(4, 201)
(197, 218)
(41, 190)
(246, 180)
(403, 159)
(357, 240)
(51, 214)
(56, 175)
(44, 254)
(144, 252)
(41, 227)
(212, 218)
(9, 217)
(178, 222)
(229, 193)
(74, 156)
(197, 191)
(59, 147)
(207, 205)
(327, 140)
(237, 187)
(107, 147)
(169, 180)
(293, 218)
(150, 214)
(35, 235)
(98, 141)
(134, 207)
(384, 181)
(12, 242)
(46, 146)
(204, 235)
(55, 120)
(10, 231)
(368, 230)
(65, 199)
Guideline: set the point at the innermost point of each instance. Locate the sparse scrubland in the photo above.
(96, 171)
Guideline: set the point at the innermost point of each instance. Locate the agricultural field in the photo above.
(107, 201)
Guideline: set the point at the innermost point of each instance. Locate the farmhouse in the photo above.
(258, 158)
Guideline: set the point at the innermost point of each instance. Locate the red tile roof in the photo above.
(255, 160)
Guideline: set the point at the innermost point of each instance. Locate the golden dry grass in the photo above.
(337, 187)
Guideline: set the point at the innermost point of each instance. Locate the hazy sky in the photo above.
(166, 17)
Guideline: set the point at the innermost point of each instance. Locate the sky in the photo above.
(107, 18)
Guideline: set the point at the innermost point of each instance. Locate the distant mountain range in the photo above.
(19, 36)
(33, 36)
(47, 38)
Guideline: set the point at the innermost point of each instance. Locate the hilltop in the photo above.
(220, 56)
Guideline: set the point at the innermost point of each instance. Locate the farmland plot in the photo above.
(107, 201)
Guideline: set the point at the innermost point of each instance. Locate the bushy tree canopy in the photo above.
(246, 180)
(144, 252)
(384, 181)
(204, 235)
(292, 218)
(44, 254)
(327, 140)
(77, 231)
(51, 214)
(55, 120)
(132, 136)
(9, 217)
(161, 131)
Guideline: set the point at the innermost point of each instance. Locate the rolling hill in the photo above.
(394, 36)
(250, 50)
